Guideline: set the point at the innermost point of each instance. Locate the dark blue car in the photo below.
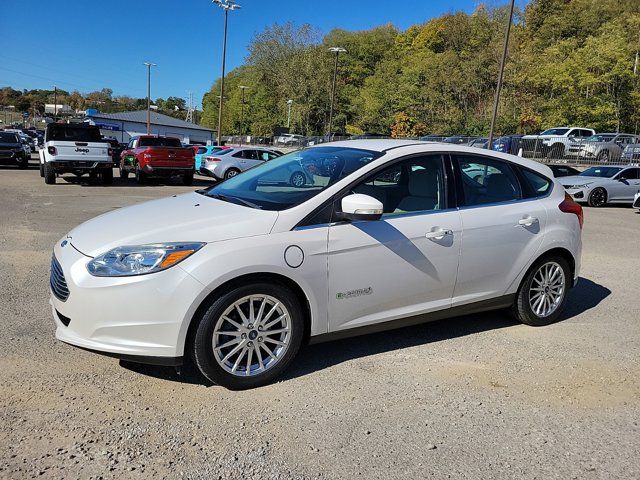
(507, 144)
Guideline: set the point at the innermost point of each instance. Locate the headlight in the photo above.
(583, 185)
(141, 259)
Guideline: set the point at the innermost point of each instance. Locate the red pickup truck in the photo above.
(156, 156)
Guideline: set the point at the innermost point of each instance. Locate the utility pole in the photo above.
(226, 5)
(149, 65)
(55, 103)
(190, 109)
(337, 51)
(243, 88)
(496, 100)
(289, 103)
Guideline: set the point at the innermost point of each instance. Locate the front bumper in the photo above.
(137, 318)
(578, 194)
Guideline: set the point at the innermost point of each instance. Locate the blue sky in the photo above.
(90, 44)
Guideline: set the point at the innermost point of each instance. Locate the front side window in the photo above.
(603, 172)
(412, 185)
(630, 173)
(485, 180)
(292, 179)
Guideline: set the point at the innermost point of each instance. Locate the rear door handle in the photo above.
(527, 221)
(438, 233)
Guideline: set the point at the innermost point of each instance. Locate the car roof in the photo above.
(402, 144)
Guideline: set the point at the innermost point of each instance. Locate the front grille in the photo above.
(57, 281)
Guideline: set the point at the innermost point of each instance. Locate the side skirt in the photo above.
(498, 303)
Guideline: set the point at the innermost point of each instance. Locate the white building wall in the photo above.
(123, 131)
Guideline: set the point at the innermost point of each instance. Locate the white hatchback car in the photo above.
(385, 233)
(229, 162)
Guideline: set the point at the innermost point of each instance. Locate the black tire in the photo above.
(556, 152)
(230, 173)
(49, 174)
(24, 163)
(107, 176)
(202, 344)
(604, 156)
(521, 309)
(297, 179)
(42, 170)
(597, 198)
(124, 174)
(141, 177)
(187, 179)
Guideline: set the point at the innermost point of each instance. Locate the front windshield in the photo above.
(605, 172)
(292, 179)
(555, 131)
(600, 138)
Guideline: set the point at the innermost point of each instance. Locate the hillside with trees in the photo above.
(571, 62)
(102, 100)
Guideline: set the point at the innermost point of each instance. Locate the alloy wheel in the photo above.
(547, 289)
(252, 335)
(598, 197)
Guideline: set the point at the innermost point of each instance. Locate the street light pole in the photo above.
(289, 102)
(149, 65)
(496, 100)
(226, 5)
(243, 88)
(337, 51)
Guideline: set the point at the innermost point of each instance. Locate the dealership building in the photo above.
(124, 125)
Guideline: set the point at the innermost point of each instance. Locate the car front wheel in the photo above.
(248, 336)
(598, 197)
(232, 172)
(543, 292)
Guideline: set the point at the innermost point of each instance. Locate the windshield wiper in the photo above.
(236, 200)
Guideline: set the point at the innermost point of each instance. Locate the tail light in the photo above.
(569, 205)
(52, 150)
(211, 159)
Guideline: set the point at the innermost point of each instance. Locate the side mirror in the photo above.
(622, 179)
(361, 207)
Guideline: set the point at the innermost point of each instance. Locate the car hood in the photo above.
(182, 218)
(578, 179)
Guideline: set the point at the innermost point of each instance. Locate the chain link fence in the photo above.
(598, 149)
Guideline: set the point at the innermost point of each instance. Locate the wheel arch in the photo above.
(562, 252)
(269, 277)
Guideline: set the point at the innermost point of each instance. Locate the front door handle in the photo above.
(438, 233)
(527, 221)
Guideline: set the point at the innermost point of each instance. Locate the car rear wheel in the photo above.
(107, 176)
(49, 174)
(543, 292)
(124, 174)
(603, 156)
(187, 178)
(232, 172)
(248, 336)
(598, 197)
(141, 177)
(41, 170)
(297, 179)
(24, 163)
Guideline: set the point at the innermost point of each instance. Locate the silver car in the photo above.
(606, 147)
(598, 186)
(228, 163)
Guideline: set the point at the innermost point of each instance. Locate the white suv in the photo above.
(75, 148)
(385, 233)
(557, 142)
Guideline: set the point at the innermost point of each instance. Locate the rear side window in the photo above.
(538, 184)
(485, 180)
(159, 142)
(201, 150)
(69, 133)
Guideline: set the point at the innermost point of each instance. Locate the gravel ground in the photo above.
(472, 397)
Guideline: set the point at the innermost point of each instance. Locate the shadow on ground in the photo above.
(313, 358)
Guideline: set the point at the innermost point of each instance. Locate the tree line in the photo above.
(570, 62)
(33, 101)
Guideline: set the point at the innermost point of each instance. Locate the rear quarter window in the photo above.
(538, 185)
